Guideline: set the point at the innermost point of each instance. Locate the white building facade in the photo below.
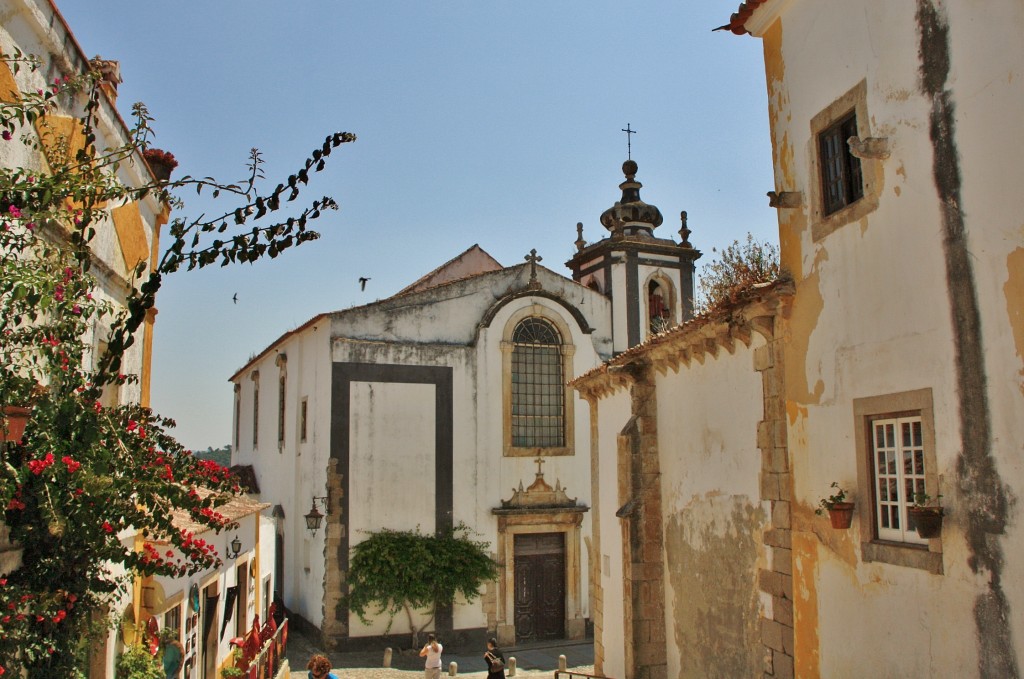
(448, 404)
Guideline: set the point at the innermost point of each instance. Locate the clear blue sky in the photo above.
(479, 122)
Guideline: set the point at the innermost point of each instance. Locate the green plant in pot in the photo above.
(925, 516)
(840, 512)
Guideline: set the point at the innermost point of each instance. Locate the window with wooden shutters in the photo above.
(538, 386)
(841, 180)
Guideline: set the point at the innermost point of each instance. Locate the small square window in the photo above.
(841, 180)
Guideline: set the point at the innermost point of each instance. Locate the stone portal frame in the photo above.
(522, 521)
(336, 548)
(568, 350)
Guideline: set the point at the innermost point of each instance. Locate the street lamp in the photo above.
(314, 518)
(235, 548)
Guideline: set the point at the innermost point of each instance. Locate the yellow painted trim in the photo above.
(256, 559)
(9, 90)
(131, 234)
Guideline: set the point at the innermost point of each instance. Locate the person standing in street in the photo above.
(432, 652)
(495, 660)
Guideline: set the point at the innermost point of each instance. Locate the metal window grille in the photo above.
(898, 462)
(841, 179)
(538, 386)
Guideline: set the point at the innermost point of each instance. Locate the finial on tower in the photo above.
(684, 232)
(580, 243)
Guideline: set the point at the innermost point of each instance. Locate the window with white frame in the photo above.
(895, 436)
(898, 460)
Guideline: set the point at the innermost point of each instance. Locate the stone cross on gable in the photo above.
(533, 258)
(540, 461)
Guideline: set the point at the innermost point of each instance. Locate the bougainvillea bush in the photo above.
(90, 474)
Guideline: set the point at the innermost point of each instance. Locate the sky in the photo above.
(495, 123)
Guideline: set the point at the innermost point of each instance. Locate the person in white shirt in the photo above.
(432, 652)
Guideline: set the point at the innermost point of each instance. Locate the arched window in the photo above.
(538, 386)
(659, 307)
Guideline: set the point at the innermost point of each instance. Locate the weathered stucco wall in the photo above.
(918, 292)
(714, 519)
(613, 414)
(290, 475)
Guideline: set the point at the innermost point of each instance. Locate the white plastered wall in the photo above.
(873, 308)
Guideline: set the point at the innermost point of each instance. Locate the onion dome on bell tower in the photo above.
(631, 216)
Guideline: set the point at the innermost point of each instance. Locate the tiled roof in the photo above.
(233, 510)
(685, 329)
(424, 282)
(246, 475)
(737, 22)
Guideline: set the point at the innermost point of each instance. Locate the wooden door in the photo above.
(210, 636)
(540, 586)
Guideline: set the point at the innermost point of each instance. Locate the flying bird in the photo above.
(362, 282)
(234, 298)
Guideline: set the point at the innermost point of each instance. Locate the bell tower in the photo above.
(649, 280)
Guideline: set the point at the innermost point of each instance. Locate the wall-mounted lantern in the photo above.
(314, 518)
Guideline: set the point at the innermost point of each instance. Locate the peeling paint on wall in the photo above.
(804, 315)
(805, 606)
(714, 545)
(1013, 290)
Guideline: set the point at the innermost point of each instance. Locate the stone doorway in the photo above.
(539, 586)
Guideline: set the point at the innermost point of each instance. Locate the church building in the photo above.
(448, 403)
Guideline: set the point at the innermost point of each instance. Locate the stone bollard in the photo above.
(561, 663)
(387, 657)
(453, 668)
(512, 666)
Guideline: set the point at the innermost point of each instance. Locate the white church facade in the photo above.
(448, 403)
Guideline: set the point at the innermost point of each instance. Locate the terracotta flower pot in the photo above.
(14, 420)
(841, 515)
(162, 163)
(927, 520)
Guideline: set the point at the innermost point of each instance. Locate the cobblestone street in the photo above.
(534, 660)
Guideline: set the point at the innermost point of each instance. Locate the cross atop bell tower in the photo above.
(649, 279)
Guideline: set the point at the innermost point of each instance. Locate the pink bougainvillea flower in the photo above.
(6, 134)
(15, 212)
(76, 310)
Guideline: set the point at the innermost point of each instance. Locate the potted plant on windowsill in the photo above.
(925, 516)
(840, 512)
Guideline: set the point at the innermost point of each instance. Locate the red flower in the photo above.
(71, 463)
(107, 527)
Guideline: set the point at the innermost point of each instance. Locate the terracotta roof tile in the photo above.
(737, 22)
(758, 289)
